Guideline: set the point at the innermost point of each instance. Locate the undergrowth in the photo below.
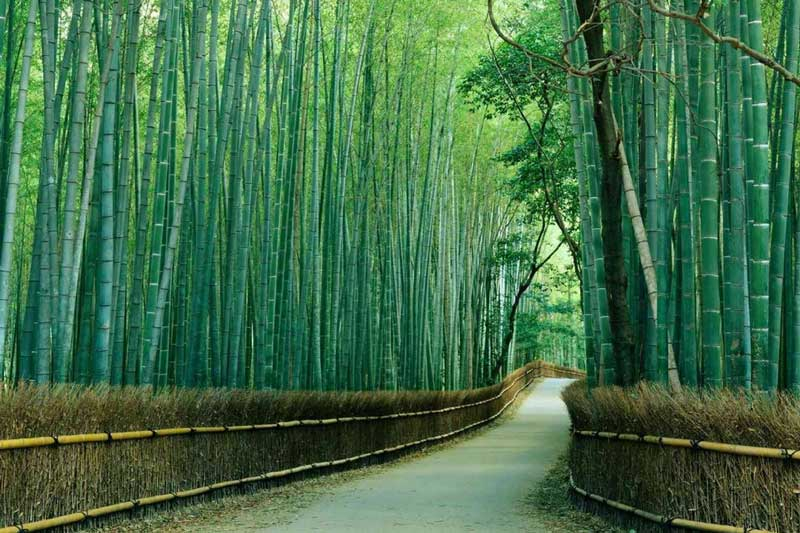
(551, 505)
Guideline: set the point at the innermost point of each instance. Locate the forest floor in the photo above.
(510, 476)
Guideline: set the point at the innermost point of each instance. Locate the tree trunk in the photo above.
(616, 173)
(610, 194)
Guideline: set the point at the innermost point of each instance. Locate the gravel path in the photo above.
(479, 484)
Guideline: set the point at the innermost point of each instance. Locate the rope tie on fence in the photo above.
(788, 454)
(695, 444)
(21, 529)
(55, 440)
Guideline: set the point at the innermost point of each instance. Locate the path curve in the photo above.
(479, 484)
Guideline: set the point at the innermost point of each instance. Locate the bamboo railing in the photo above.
(535, 370)
(91, 438)
(664, 520)
(719, 447)
(787, 454)
(75, 518)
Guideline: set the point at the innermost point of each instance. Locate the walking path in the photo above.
(479, 484)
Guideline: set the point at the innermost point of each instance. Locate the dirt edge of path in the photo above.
(549, 503)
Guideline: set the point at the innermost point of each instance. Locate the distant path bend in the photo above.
(478, 484)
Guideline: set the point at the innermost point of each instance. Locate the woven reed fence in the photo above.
(68, 450)
(711, 457)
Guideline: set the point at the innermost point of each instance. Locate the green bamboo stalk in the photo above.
(12, 187)
(70, 294)
(169, 98)
(199, 56)
(781, 192)
(711, 333)
(101, 360)
(734, 264)
(765, 371)
(661, 249)
(128, 165)
(133, 361)
(315, 279)
(651, 179)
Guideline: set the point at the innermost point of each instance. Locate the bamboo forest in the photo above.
(328, 195)
(265, 240)
(273, 194)
(312, 194)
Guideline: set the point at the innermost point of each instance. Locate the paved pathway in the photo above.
(478, 484)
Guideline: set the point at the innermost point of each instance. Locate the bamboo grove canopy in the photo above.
(266, 194)
(683, 117)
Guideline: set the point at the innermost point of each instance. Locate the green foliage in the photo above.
(530, 80)
(507, 83)
(551, 319)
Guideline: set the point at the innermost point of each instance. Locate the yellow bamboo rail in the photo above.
(89, 438)
(732, 449)
(75, 518)
(664, 520)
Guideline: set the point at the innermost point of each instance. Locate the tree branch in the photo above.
(697, 20)
(573, 246)
(609, 63)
